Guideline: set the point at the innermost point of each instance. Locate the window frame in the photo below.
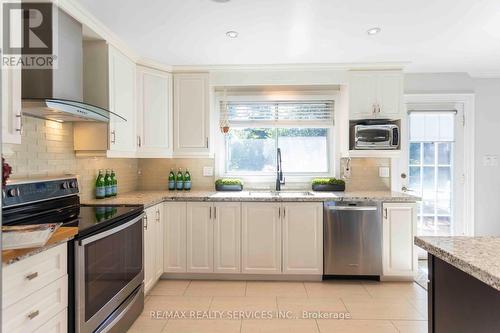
(260, 177)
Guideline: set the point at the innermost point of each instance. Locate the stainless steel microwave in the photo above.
(385, 136)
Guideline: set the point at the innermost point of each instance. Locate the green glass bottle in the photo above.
(179, 180)
(114, 184)
(100, 188)
(108, 184)
(187, 180)
(171, 180)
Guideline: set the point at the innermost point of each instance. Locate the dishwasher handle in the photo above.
(353, 208)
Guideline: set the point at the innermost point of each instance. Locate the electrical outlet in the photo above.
(208, 171)
(490, 160)
(384, 172)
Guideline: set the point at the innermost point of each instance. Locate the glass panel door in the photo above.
(431, 170)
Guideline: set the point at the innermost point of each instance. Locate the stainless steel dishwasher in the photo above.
(352, 233)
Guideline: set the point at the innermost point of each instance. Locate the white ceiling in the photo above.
(433, 35)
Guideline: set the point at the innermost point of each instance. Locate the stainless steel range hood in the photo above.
(57, 94)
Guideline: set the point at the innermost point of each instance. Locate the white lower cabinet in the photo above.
(200, 234)
(227, 237)
(261, 238)
(174, 235)
(399, 228)
(153, 246)
(302, 238)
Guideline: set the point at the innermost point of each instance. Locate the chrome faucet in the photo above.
(280, 180)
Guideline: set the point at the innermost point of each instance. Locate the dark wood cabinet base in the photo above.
(459, 302)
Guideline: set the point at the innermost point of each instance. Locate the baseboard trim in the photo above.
(239, 277)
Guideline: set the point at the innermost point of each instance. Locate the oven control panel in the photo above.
(16, 193)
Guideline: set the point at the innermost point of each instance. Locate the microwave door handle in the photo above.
(109, 232)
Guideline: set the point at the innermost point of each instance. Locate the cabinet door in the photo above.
(362, 94)
(11, 106)
(302, 238)
(191, 114)
(149, 248)
(154, 113)
(200, 233)
(227, 235)
(159, 231)
(399, 227)
(390, 94)
(122, 101)
(261, 238)
(174, 256)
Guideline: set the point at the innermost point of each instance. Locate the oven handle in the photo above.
(106, 233)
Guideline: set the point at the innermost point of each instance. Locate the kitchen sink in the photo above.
(295, 194)
(284, 194)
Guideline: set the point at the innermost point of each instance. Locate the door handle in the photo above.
(33, 314)
(20, 128)
(369, 208)
(31, 276)
(113, 136)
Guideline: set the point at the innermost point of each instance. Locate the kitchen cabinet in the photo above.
(375, 94)
(191, 115)
(153, 245)
(227, 237)
(11, 106)
(261, 238)
(399, 256)
(302, 238)
(109, 81)
(199, 230)
(154, 113)
(174, 255)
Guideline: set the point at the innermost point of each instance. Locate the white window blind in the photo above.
(279, 113)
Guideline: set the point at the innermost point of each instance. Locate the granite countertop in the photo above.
(477, 256)
(150, 198)
(62, 235)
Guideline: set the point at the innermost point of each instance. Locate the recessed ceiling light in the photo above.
(232, 34)
(373, 31)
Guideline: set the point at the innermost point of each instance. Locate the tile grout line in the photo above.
(184, 293)
(317, 325)
(394, 325)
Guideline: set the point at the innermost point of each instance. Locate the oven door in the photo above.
(373, 137)
(108, 268)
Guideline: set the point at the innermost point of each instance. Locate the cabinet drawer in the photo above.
(22, 278)
(32, 312)
(56, 324)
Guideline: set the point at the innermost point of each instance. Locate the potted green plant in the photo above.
(228, 184)
(328, 184)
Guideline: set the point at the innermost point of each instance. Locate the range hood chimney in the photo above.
(57, 94)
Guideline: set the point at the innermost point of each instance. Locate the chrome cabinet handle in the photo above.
(20, 128)
(215, 212)
(31, 276)
(33, 314)
(145, 222)
(139, 143)
(113, 136)
(378, 108)
(385, 213)
(207, 141)
(157, 215)
(210, 213)
(284, 212)
(279, 212)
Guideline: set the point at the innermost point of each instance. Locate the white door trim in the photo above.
(466, 102)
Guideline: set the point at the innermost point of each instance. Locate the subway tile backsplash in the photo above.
(47, 150)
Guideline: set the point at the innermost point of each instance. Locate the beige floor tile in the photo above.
(297, 305)
(420, 304)
(216, 288)
(356, 326)
(177, 303)
(411, 326)
(381, 308)
(205, 326)
(335, 289)
(146, 324)
(169, 288)
(279, 326)
(269, 288)
(395, 289)
(244, 303)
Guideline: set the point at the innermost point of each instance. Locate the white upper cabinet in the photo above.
(11, 106)
(261, 238)
(122, 102)
(375, 94)
(154, 113)
(399, 228)
(302, 238)
(191, 115)
(199, 237)
(227, 237)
